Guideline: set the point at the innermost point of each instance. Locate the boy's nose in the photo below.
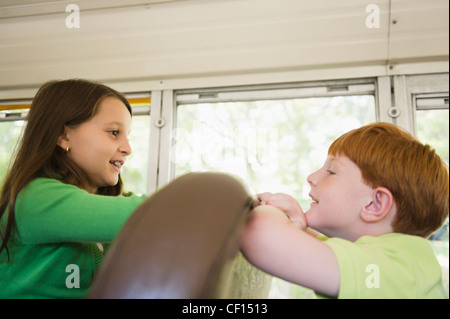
(312, 178)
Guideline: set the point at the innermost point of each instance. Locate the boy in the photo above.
(377, 198)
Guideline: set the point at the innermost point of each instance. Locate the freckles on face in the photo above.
(99, 143)
(338, 193)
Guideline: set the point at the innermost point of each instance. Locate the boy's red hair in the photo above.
(416, 176)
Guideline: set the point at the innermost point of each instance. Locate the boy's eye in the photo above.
(330, 172)
(115, 133)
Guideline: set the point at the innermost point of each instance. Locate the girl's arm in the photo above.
(274, 244)
(49, 211)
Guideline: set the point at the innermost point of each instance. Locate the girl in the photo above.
(51, 212)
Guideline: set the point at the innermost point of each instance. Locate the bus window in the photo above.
(10, 131)
(432, 120)
(134, 172)
(270, 144)
(433, 129)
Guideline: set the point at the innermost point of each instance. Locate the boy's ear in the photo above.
(63, 139)
(380, 205)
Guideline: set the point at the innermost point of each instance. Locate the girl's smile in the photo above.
(100, 145)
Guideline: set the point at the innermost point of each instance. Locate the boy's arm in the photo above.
(312, 232)
(272, 243)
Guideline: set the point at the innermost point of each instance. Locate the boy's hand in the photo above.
(288, 205)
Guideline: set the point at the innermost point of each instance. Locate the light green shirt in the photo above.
(388, 266)
(53, 250)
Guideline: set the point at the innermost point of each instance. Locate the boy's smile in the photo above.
(338, 193)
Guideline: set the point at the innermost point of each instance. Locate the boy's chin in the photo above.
(311, 220)
(309, 216)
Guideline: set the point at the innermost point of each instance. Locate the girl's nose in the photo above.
(125, 148)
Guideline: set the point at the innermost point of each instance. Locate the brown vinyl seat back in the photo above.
(183, 242)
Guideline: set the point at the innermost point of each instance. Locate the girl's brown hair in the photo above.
(416, 176)
(56, 104)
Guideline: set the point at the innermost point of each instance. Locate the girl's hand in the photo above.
(288, 205)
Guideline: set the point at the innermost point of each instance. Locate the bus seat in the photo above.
(183, 242)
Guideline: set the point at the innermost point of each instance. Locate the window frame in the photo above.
(392, 93)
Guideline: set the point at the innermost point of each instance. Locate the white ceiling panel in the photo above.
(127, 40)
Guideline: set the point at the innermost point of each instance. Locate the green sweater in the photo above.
(53, 250)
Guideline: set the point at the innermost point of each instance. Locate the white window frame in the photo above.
(165, 102)
(409, 88)
(395, 100)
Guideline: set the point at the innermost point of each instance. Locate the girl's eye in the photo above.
(115, 133)
(330, 172)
